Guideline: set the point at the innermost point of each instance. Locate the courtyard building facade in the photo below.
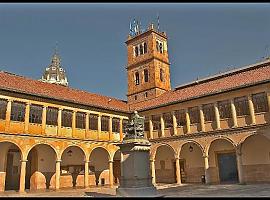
(213, 130)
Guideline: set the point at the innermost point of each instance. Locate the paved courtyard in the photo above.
(228, 190)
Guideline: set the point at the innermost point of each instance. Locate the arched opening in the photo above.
(161, 75)
(10, 166)
(116, 167)
(255, 159)
(145, 48)
(137, 78)
(165, 165)
(145, 71)
(141, 49)
(136, 51)
(72, 167)
(99, 167)
(191, 163)
(40, 168)
(222, 162)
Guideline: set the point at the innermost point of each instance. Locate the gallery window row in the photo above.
(18, 110)
(140, 49)
(224, 109)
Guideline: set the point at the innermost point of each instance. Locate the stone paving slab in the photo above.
(165, 190)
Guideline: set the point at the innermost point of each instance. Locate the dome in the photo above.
(55, 73)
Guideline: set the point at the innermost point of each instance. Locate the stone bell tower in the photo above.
(148, 66)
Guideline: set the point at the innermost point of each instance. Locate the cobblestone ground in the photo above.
(228, 190)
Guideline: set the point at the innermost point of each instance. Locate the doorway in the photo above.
(227, 167)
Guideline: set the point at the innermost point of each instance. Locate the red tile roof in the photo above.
(240, 77)
(22, 84)
(249, 75)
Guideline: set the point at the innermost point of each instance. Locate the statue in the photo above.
(135, 128)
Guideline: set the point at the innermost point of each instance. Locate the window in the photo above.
(209, 112)
(180, 117)
(115, 125)
(224, 108)
(135, 97)
(168, 121)
(80, 120)
(105, 123)
(51, 116)
(3, 108)
(35, 115)
(137, 78)
(157, 45)
(146, 124)
(145, 94)
(145, 47)
(145, 72)
(93, 122)
(241, 106)
(161, 75)
(260, 102)
(136, 51)
(194, 115)
(160, 48)
(141, 49)
(66, 118)
(156, 122)
(17, 111)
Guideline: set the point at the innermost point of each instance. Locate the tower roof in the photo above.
(55, 73)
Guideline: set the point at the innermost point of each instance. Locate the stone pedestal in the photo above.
(136, 179)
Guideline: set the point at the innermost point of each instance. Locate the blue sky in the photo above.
(204, 39)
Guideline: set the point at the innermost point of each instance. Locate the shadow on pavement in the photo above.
(96, 194)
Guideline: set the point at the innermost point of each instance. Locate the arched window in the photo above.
(161, 75)
(137, 78)
(141, 49)
(145, 47)
(145, 75)
(136, 51)
(160, 48)
(157, 45)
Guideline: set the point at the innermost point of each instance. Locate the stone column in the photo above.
(111, 173)
(151, 127)
(86, 173)
(86, 125)
(206, 169)
(74, 123)
(44, 116)
(239, 165)
(217, 115)
(59, 121)
(8, 114)
(174, 123)
(178, 174)
(121, 129)
(187, 121)
(57, 174)
(234, 116)
(99, 125)
(251, 110)
(22, 175)
(110, 129)
(162, 125)
(202, 119)
(268, 98)
(153, 171)
(26, 117)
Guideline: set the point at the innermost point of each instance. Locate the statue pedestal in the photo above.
(136, 180)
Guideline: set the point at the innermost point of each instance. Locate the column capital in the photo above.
(74, 111)
(60, 109)
(45, 106)
(86, 161)
(24, 160)
(28, 103)
(152, 160)
(177, 158)
(58, 161)
(110, 161)
(10, 100)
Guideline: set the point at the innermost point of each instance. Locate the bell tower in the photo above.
(148, 66)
